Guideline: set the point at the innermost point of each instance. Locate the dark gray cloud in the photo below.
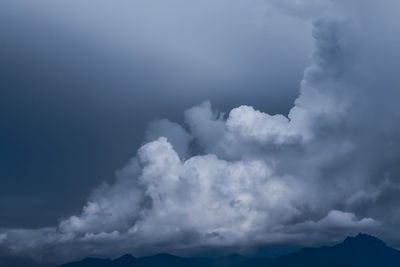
(249, 179)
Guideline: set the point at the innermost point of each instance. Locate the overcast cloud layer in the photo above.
(249, 179)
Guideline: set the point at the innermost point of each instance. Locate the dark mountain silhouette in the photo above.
(359, 251)
(362, 250)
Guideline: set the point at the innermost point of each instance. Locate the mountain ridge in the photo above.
(361, 250)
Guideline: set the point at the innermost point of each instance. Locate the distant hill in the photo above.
(359, 251)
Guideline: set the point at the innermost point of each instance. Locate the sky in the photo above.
(80, 82)
(195, 127)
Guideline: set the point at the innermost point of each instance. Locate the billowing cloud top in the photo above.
(249, 179)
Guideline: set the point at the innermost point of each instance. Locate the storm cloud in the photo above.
(249, 179)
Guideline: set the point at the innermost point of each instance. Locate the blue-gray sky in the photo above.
(306, 153)
(80, 81)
